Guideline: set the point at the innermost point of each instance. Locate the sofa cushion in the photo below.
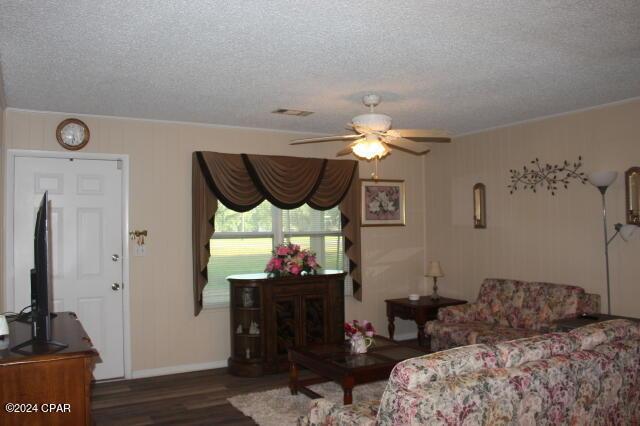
(552, 382)
(530, 305)
(456, 334)
(497, 298)
(593, 335)
(562, 301)
(448, 335)
(517, 352)
(538, 304)
(500, 334)
(419, 372)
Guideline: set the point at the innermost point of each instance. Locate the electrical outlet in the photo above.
(139, 251)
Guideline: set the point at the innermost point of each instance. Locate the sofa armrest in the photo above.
(318, 412)
(325, 412)
(589, 304)
(458, 313)
(423, 371)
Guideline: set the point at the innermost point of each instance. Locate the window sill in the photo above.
(216, 307)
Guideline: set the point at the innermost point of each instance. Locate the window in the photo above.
(242, 243)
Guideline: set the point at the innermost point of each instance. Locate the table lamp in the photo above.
(435, 271)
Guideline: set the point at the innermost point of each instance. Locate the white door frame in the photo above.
(8, 227)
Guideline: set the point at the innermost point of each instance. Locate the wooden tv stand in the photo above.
(41, 385)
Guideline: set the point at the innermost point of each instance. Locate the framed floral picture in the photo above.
(382, 202)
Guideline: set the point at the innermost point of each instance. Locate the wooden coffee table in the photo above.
(333, 362)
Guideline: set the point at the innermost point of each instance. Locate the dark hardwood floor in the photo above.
(197, 398)
(190, 398)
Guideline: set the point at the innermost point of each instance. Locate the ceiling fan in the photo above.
(374, 136)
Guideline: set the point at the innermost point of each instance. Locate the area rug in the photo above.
(278, 407)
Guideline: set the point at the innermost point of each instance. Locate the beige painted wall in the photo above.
(164, 331)
(535, 236)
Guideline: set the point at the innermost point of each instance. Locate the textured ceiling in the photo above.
(462, 66)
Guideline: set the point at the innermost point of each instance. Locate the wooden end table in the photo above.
(334, 362)
(420, 311)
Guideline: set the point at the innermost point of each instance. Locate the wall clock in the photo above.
(72, 134)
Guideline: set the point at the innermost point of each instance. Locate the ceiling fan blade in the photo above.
(324, 139)
(362, 130)
(345, 151)
(423, 135)
(409, 146)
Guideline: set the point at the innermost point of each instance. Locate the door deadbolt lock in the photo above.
(115, 286)
(115, 257)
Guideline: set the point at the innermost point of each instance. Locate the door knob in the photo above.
(115, 286)
(115, 257)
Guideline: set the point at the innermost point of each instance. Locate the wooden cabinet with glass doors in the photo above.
(270, 315)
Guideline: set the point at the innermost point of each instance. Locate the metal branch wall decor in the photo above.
(549, 176)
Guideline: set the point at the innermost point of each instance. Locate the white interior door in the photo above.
(86, 243)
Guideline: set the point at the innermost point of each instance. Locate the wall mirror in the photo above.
(479, 206)
(632, 185)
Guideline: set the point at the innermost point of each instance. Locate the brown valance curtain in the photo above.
(242, 181)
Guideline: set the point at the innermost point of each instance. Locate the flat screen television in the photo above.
(41, 288)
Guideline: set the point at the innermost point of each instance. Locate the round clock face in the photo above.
(72, 134)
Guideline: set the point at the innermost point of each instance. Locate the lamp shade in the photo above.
(627, 232)
(370, 147)
(435, 270)
(602, 178)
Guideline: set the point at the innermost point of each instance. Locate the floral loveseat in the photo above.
(507, 310)
(589, 376)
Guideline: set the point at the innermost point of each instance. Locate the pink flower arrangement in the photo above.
(290, 259)
(354, 329)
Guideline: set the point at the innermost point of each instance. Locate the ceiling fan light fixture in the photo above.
(370, 147)
(373, 122)
(374, 137)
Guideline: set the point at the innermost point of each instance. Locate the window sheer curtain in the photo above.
(243, 181)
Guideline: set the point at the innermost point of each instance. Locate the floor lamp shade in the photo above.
(628, 232)
(602, 179)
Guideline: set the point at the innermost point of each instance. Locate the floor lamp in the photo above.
(602, 181)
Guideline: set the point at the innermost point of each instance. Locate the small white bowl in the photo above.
(414, 297)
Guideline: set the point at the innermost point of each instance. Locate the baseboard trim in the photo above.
(176, 369)
(405, 336)
(186, 368)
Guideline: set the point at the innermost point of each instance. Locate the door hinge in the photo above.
(119, 164)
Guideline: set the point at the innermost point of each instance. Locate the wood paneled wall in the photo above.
(535, 236)
(164, 331)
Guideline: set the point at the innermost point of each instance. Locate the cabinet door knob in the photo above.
(115, 286)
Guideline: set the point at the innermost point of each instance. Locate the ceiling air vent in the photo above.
(296, 112)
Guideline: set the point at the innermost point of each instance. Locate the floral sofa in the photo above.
(507, 310)
(589, 376)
